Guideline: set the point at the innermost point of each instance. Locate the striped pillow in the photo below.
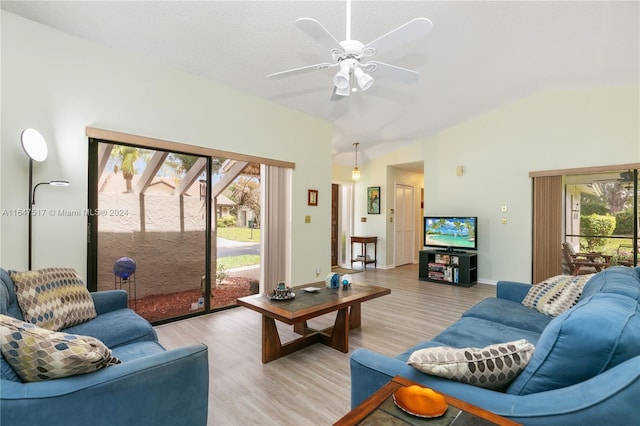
(555, 295)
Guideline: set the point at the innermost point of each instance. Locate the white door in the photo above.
(404, 225)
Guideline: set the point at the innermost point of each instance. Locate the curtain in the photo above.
(275, 222)
(547, 227)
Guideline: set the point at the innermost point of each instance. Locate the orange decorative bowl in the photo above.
(420, 401)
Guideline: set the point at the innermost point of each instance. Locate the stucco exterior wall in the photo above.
(163, 234)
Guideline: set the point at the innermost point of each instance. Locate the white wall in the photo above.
(61, 84)
(547, 131)
(552, 130)
(377, 173)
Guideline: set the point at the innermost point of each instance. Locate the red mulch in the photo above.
(165, 306)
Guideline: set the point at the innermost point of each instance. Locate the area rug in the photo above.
(340, 270)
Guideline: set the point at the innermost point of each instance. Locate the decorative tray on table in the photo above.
(282, 294)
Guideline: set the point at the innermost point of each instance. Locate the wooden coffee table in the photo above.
(305, 306)
(379, 409)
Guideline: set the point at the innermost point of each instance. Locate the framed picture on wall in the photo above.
(312, 197)
(373, 200)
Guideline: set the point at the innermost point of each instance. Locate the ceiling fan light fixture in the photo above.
(365, 81)
(342, 77)
(341, 80)
(343, 91)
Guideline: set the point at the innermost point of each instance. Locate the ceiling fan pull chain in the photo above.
(348, 20)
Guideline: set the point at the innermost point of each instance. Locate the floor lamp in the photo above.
(35, 147)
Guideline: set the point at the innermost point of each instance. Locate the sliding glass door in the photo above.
(601, 215)
(179, 232)
(151, 226)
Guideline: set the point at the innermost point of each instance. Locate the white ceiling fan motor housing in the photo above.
(351, 49)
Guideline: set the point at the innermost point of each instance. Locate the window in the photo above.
(601, 214)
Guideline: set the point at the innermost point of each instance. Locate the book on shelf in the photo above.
(441, 272)
(436, 266)
(434, 275)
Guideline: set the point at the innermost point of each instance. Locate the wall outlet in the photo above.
(503, 221)
(363, 219)
(504, 208)
(307, 219)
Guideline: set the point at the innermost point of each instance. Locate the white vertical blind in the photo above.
(275, 220)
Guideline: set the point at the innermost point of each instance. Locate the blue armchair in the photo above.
(150, 386)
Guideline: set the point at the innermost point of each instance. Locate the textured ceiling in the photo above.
(479, 56)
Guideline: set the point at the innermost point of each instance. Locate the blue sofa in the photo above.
(585, 369)
(152, 386)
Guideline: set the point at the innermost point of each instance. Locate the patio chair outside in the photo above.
(584, 263)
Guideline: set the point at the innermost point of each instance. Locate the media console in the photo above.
(448, 267)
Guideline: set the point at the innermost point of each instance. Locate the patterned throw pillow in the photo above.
(555, 295)
(53, 298)
(492, 367)
(37, 354)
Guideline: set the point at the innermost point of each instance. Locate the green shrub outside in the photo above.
(624, 222)
(226, 221)
(594, 224)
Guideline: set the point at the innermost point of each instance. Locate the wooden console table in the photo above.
(363, 241)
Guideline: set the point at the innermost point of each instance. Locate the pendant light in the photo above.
(355, 173)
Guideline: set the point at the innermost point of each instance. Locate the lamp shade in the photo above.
(343, 91)
(34, 145)
(364, 80)
(355, 174)
(341, 80)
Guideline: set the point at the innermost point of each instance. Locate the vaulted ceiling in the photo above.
(479, 55)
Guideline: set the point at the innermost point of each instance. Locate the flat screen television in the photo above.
(451, 233)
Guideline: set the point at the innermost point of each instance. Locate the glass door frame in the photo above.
(92, 222)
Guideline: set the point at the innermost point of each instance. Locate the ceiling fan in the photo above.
(349, 54)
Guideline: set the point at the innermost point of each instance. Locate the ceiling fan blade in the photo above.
(380, 69)
(301, 70)
(410, 31)
(319, 33)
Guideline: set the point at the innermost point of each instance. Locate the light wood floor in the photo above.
(312, 386)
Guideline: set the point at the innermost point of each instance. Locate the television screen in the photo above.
(451, 233)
